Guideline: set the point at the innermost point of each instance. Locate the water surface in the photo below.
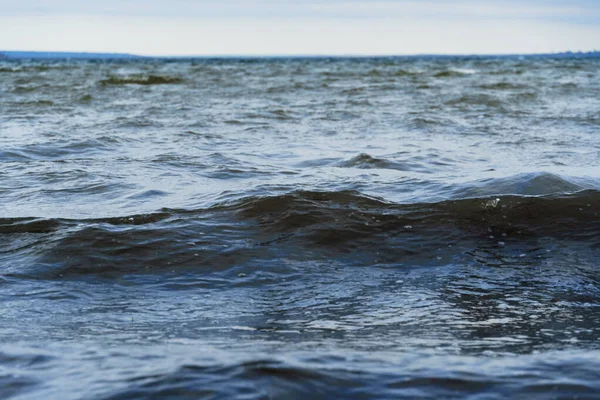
(300, 228)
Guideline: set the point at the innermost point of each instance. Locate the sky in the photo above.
(295, 27)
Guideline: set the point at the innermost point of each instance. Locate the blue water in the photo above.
(300, 228)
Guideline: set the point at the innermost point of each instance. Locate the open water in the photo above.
(300, 228)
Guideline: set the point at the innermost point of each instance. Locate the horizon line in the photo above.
(7, 53)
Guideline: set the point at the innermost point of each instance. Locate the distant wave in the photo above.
(142, 80)
(364, 160)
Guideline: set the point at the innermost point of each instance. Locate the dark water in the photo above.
(293, 229)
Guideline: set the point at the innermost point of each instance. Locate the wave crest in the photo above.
(141, 80)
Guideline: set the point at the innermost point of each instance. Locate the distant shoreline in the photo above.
(43, 55)
(46, 55)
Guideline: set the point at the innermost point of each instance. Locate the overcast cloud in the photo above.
(236, 27)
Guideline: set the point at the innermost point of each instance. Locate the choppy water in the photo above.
(300, 228)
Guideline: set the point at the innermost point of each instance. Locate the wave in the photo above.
(337, 372)
(34, 103)
(327, 377)
(9, 70)
(560, 213)
(526, 184)
(503, 86)
(452, 73)
(141, 80)
(366, 161)
(25, 68)
(241, 236)
(351, 215)
(476, 100)
(404, 72)
(86, 98)
(59, 150)
(28, 88)
(372, 73)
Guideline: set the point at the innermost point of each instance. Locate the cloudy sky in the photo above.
(284, 27)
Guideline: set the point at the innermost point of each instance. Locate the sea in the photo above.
(300, 228)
